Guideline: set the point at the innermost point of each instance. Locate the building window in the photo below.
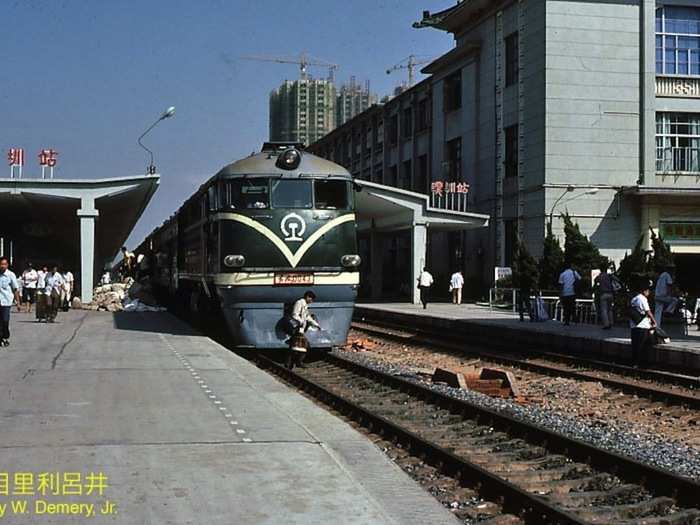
(512, 59)
(422, 115)
(678, 40)
(392, 176)
(678, 142)
(511, 156)
(393, 129)
(406, 172)
(452, 91)
(378, 174)
(407, 123)
(421, 182)
(453, 159)
(508, 242)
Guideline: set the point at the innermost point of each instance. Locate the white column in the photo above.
(419, 241)
(87, 214)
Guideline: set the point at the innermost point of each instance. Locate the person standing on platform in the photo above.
(301, 321)
(663, 295)
(42, 302)
(128, 263)
(642, 322)
(30, 278)
(54, 293)
(567, 281)
(425, 281)
(69, 280)
(9, 292)
(456, 284)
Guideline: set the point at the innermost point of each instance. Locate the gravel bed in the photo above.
(619, 438)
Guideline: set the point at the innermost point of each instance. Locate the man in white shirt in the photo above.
(302, 319)
(456, 284)
(642, 321)
(9, 292)
(42, 300)
(425, 281)
(30, 279)
(53, 292)
(68, 280)
(663, 295)
(567, 281)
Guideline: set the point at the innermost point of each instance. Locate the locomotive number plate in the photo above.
(293, 279)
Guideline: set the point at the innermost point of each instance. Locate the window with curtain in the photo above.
(678, 40)
(678, 142)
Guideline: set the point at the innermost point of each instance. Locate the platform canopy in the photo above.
(381, 208)
(78, 224)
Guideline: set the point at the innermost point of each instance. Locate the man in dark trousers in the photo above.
(425, 281)
(567, 281)
(301, 321)
(9, 292)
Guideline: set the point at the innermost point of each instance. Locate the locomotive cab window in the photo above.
(248, 194)
(291, 193)
(331, 194)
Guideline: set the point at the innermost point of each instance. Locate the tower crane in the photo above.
(303, 60)
(410, 63)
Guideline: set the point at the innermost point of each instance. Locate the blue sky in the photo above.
(86, 77)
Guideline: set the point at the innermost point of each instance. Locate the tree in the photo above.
(552, 261)
(663, 257)
(525, 271)
(581, 253)
(634, 266)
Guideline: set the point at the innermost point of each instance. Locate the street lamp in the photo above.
(568, 189)
(166, 114)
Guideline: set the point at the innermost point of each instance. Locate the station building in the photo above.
(544, 107)
(77, 224)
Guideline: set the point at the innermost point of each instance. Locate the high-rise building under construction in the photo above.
(352, 100)
(302, 110)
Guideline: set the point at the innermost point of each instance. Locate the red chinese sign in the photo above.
(47, 157)
(15, 156)
(444, 187)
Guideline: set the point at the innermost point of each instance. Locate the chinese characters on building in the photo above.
(47, 159)
(444, 187)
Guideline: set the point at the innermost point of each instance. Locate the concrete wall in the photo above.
(592, 114)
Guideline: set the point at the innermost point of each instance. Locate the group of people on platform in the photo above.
(49, 289)
(426, 280)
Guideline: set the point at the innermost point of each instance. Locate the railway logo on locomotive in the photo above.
(293, 227)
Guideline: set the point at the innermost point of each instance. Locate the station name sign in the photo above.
(680, 231)
(443, 187)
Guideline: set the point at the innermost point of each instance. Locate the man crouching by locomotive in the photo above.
(301, 321)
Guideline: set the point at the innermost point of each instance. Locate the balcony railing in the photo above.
(678, 160)
(450, 201)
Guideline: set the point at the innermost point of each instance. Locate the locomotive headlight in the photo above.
(234, 261)
(350, 261)
(289, 159)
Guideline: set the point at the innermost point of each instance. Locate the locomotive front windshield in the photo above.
(263, 192)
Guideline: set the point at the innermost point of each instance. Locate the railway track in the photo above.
(656, 385)
(536, 475)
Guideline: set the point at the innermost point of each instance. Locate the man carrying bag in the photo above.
(642, 323)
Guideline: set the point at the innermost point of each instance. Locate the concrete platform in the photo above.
(480, 324)
(185, 431)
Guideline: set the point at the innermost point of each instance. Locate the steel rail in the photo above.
(659, 481)
(530, 507)
(664, 395)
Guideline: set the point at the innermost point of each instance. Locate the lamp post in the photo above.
(166, 114)
(568, 189)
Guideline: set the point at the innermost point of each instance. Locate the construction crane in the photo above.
(409, 63)
(303, 60)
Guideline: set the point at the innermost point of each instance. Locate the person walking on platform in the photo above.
(9, 292)
(456, 284)
(425, 281)
(567, 281)
(604, 286)
(664, 302)
(54, 293)
(42, 304)
(30, 279)
(68, 281)
(128, 263)
(301, 320)
(642, 322)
